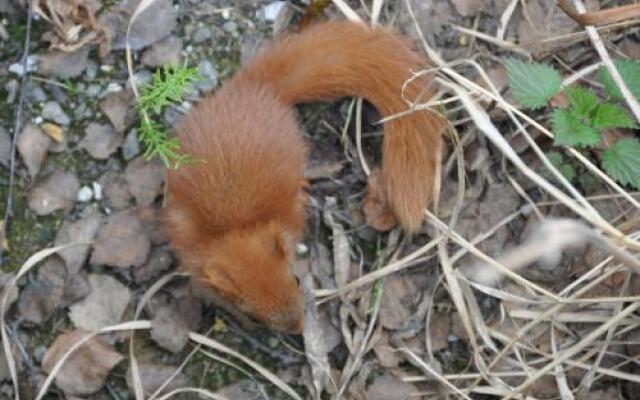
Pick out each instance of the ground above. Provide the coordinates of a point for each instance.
(397, 317)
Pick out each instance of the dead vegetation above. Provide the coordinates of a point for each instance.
(523, 284)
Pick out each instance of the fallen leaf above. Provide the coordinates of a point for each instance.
(116, 191)
(314, 340)
(172, 321)
(159, 261)
(121, 242)
(244, 389)
(57, 191)
(144, 179)
(153, 223)
(86, 370)
(153, 376)
(101, 140)
(388, 387)
(104, 306)
(478, 217)
(53, 131)
(120, 108)
(32, 146)
(395, 308)
(166, 52)
(64, 64)
(83, 230)
(42, 296)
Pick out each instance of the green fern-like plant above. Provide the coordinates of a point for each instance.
(581, 123)
(167, 87)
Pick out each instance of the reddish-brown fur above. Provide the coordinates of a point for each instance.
(234, 218)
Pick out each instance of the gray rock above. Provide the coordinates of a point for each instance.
(202, 34)
(131, 145)
(208, 75)
(154, 23)
(5, 147)
(11, 88)
(52, 111)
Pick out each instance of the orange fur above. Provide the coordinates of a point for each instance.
(235, 218)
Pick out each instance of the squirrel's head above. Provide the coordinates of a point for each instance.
(250, 268)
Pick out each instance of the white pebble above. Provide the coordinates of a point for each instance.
(271, 11)
(114, 87)
(97, 190)
(106, 68)
(84, 194)
(301, 249)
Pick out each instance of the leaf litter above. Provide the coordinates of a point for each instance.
(401, 337)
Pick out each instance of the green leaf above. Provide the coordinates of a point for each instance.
(569, 129)
(622, 162)
(167, 87)
(583, 101)
(565, 169)
(609, 115)
(532, 84)
(630, 72)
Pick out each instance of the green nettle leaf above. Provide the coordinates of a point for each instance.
(569, 129)
(583, 101)
(532, 84)
(609, 115)
(565, 169)
(630, 72)
(622, 162)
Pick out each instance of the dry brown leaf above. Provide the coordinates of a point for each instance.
(32, 146)
(121, 241)
(56, 191)
(86, 370)
(104, 306)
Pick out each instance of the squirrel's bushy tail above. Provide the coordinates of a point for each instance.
(337, 59)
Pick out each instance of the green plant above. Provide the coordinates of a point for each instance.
(587, 115)
(166, 88)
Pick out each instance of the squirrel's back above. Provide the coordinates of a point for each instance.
(235, 214)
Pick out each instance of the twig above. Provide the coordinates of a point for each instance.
(17, 126)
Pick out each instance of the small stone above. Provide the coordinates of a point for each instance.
(11, 88)
(202, 34)
(85, 194)
(52, 111)
(97, 190)
(18, 68)
(301, 249)
(209, 76)
(114, 87)
(35, 93)
(272, 10)
(131, 145)
(140, 78)
(5, 147)
(230, 27)
(93, 90)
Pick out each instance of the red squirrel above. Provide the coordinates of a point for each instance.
(235, 217)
